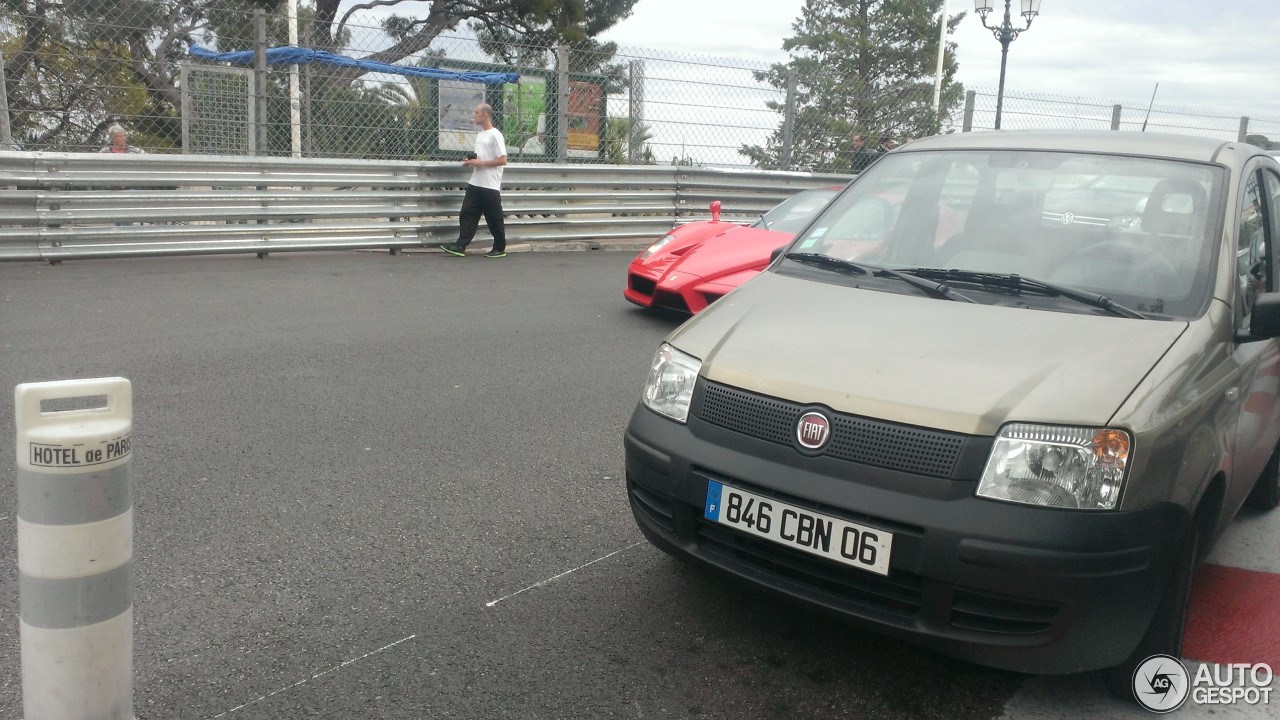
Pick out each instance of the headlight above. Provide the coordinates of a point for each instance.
(1068, 467)
(670, 386)
(657, 246)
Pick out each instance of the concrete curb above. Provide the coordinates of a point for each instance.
(550, 246)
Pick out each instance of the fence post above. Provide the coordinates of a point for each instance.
(1115, 116)
(184, 77)
(1244, 129)
(308, 142)
(260, 146)
(295, 102)
(635, 113)
(260, 80)
(562, 104)
(789, 119)
(967, 125)
(75, 549)
(6, 130)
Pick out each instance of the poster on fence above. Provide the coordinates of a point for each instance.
(584, 119)
(524, 116)
(458, 102)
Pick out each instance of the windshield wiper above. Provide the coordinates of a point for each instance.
(827, 261)
(936, 289)
(1016, 284)
(933, 288)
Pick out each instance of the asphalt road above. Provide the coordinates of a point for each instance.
(369, 486)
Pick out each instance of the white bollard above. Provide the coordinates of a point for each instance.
(75, 551)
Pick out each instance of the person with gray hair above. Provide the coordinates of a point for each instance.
(118, 141)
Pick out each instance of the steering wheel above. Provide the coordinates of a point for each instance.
(1120, 266)
(1125, 221)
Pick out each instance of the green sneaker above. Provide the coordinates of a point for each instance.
(454, 250)
(495, 254)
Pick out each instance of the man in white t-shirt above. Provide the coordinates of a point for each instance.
(484, 191)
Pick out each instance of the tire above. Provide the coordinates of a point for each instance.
(1168, 625)
(1266, 493)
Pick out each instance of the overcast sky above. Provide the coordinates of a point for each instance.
(1217, 56)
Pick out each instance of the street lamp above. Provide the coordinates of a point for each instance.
(1006, 33)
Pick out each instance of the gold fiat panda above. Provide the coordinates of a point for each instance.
(998, 399)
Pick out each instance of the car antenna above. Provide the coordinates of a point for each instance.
(1153, 102)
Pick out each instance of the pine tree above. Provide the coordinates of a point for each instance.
(862, 67)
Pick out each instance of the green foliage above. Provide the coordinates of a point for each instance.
(69, 72)
(528, 22)
(535, 47)
(861, 67)
(618, 133)
(1263, 142)
(231, 23)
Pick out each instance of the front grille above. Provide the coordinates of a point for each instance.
(853, 590)
(643, 285)
(994, 614)
(755, 415)
(858, 439)
(670, 300)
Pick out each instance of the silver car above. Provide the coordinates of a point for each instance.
(1005, 419)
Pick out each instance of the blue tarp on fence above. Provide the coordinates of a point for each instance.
(289, 55)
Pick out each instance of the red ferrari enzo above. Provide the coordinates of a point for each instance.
(698, 263)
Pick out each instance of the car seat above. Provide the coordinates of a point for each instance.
(1173, 207)
(997, 237)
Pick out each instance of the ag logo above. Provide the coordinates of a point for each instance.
(1161, 683)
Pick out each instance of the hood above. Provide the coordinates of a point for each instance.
(732, 251)
(684, 239)
(961, 367)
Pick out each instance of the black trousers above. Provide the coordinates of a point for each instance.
(482, 201)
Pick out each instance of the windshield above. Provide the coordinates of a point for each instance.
(1132, 230)
(795, 212)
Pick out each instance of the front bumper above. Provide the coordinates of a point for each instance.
(653, 288)
(1017, 587)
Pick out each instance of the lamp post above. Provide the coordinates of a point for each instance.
(1006, 33)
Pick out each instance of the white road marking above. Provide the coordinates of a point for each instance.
(491, 603)
(387, 647)
(313, 677)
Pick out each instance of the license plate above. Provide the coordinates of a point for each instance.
(829, 537)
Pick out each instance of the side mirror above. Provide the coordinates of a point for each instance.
(776, 252)
(715, 211)
(1264, 321)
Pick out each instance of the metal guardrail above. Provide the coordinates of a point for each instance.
(61, 206)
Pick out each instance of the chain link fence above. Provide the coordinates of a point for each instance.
(72, 69)
(1037, 111)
